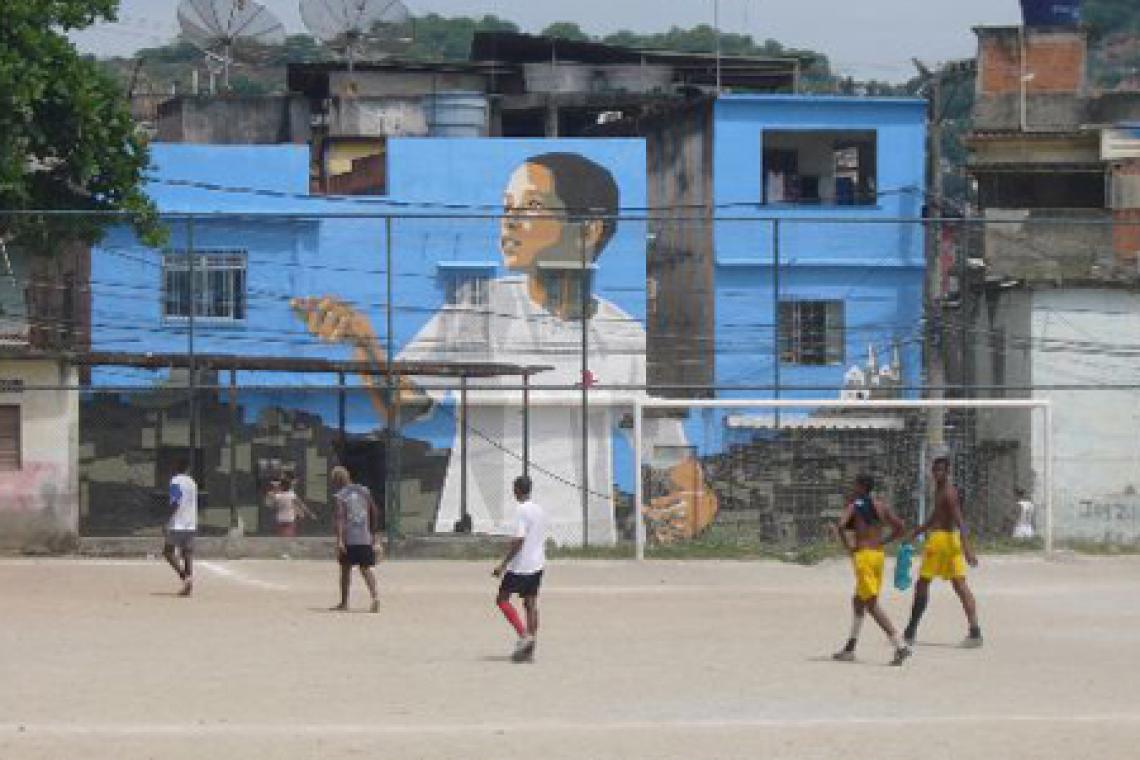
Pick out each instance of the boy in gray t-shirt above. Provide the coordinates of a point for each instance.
(355, 515)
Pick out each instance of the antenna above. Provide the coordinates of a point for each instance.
(218, 27)
(347, 25)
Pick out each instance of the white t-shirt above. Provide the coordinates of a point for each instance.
(530, 526)
(184, 500)
(285, 503)
(511, 328)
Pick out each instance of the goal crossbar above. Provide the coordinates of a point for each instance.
(641, 404)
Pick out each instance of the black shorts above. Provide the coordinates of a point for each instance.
(362, 555)
(523, 585)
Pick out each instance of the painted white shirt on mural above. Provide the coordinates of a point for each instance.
(509, 327)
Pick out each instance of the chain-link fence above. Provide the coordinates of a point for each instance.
(440, 355)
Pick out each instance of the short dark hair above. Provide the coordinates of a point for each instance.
(866, 481)
(523, 485)
(587, 188)
(181, 465)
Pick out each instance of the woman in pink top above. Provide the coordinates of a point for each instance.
(287, 507)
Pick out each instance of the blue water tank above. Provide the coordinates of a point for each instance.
(457, 114)
(1051, 12)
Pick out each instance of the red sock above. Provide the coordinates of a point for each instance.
(513, 618)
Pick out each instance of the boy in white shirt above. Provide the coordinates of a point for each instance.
(182, 525)
(522, 568)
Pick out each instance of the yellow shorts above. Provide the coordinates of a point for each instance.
(868, 573)
(942, 556)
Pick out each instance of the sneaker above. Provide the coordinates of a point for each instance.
(844, 655)
(972, 642)
(901, 654)
(524, 649)
(187, 587)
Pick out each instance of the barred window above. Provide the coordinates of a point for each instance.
(811, 332)
(219, 291)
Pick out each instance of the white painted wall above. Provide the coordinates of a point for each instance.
(38, 504)
(1096, 434)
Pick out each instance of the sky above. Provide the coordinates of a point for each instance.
(868, 39)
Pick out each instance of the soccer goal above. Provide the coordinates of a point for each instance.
(774, 473)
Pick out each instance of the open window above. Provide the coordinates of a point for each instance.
(826, 167)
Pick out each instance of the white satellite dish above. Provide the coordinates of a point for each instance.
(349, 25)
(219, 27)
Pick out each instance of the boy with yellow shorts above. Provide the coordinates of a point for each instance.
(865, 517)
(945, 556)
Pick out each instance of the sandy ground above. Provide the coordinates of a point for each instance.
(98, 660)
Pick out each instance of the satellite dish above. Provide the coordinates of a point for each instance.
(219, 27)
(349, 25)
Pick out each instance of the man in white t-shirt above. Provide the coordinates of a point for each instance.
(182, 526)
(522, 568)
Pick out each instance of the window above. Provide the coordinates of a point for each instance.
(466, 305)
(219, 285)
(811, 332)
(820, 167)
(10, 459)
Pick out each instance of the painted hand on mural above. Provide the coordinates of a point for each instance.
(686, 510)
(334, 321)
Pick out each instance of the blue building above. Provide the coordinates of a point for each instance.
(816, 257)
(828, 258)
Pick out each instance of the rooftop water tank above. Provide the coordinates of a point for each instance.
(1051, 12)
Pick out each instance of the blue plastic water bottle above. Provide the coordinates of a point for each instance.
(902, 566)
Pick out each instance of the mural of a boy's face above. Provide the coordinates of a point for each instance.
(532, 232)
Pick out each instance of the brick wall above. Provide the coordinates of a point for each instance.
(1055, 59)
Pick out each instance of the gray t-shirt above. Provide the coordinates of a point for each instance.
(353, 499)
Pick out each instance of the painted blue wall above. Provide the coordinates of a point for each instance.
(862, 255)
(301, 246)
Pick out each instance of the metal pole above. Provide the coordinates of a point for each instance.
(391, 507)
(638, 485)
(1047, 477)
(526, 424)
(716, 26)
(341, 415)
(585, 304)
(192, 372)
(233, 447)
(776, 312)
(464, 520)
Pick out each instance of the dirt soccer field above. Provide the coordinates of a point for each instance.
(98, 660)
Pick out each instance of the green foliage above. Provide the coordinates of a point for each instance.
(1111, 16)
(566, 30)
(67, 140)
(449, 39)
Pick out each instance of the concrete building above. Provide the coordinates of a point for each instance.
(1054, 303)
(45, 318)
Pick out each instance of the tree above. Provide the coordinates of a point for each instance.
(67, 140)
(566, 30)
